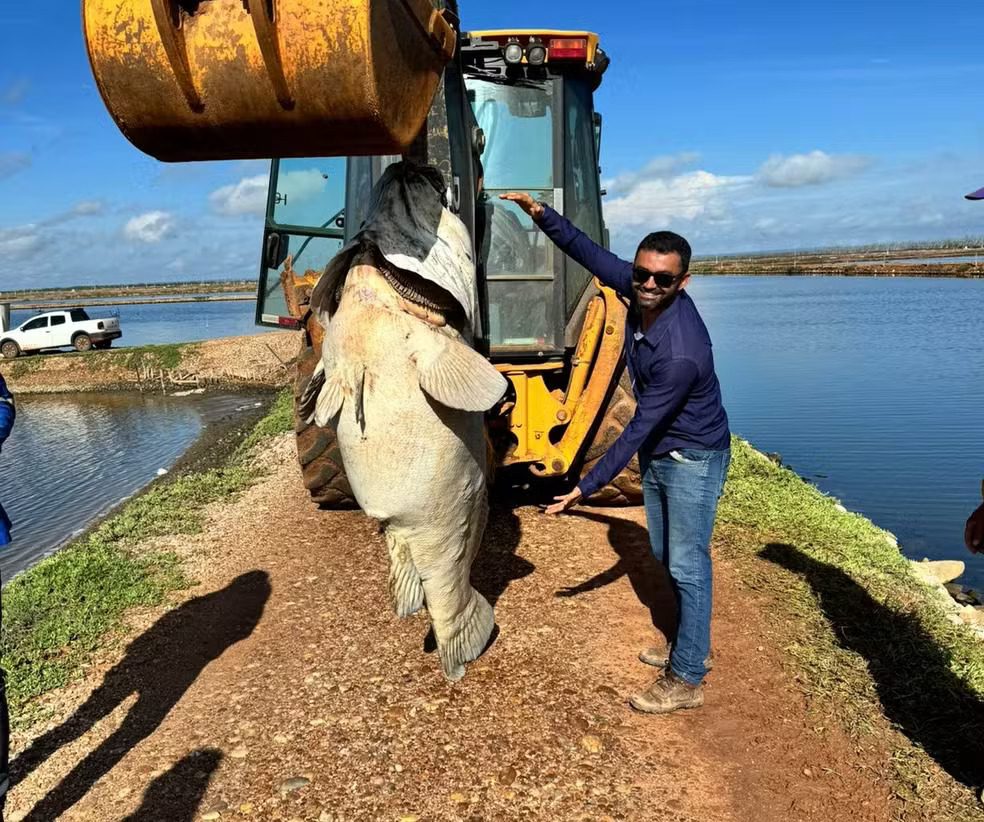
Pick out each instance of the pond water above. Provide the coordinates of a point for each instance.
(70, 459)
(871, 388)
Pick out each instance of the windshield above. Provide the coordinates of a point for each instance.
(518, 260)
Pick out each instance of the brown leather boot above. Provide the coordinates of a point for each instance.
(659, 657)
(667, 694)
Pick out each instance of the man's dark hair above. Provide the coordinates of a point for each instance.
(667, 242)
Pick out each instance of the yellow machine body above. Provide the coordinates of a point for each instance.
(241, 79)
(551, 427)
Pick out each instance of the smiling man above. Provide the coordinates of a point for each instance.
(680, 431)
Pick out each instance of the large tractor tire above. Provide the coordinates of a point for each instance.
(626, 488)
(317, 448)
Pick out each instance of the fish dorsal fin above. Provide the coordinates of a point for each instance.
(455, 375)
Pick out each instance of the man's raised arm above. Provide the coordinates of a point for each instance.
(613, 271)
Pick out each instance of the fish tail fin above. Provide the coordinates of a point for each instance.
(404, 579)
(471, 635)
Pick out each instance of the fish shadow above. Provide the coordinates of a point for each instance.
(649, 580)
(498, 565)
(177, 794)
(159, 666)
(918, 692)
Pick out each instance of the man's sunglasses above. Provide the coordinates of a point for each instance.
(664, 279)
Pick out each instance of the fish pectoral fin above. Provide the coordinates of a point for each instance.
(309, 399)
(457, 376)
(329, 401)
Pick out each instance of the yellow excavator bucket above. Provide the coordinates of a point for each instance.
(244, 79)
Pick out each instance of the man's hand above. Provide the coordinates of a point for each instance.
(527, 203)
(568, 500)
(974, 532)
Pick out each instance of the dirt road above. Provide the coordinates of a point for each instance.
(283, 688)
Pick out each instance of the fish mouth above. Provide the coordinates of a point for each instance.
(420, 297)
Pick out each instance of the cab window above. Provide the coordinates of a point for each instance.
(35, 324)
(582, 196)
(305, 226)
(518, 260)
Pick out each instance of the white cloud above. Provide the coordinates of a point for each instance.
(656, 169)
(684, 198)
(20, 242)
(150, 228)
(12, 162)
(87, 208)
(249, 195)
(811, 169)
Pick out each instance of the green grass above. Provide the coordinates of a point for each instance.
(23, 366)
(58, 613)
(863, 637)
(278, 420)
(166, 357)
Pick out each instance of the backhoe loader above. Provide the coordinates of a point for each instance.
(340, 89)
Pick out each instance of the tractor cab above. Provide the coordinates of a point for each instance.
(519, 117)
(531, 95)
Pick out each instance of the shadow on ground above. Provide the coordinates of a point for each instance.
(497, 565)
(176, 795)
(630, 542)
(159, 666)
(919, 693)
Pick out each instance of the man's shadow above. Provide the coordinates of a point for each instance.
(918, 691)
(648, 578)
(159, 666)
(176, 795)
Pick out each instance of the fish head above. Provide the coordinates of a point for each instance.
(420, 248)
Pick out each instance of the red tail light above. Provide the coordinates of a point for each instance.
(288, 322)
(568, 48)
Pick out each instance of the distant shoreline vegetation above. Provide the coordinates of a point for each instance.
(135, 289)
(884, 260)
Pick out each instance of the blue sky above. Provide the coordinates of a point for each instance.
(743, 125)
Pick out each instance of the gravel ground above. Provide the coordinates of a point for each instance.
(282, 687)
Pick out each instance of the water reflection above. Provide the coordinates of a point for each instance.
(70, 459)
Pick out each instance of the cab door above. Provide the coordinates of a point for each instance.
(35, 334)
(60, 331)
(305, 228)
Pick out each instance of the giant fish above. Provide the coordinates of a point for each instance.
(406, 392)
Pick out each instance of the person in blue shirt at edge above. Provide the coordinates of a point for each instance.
(680, 431)
(974, 530)
(7, 414)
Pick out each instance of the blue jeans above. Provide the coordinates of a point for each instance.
(680, 491)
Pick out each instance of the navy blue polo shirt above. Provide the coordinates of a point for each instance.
(678, 397)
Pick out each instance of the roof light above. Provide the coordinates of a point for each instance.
(568, 48)
(536, 54)
(514, 52)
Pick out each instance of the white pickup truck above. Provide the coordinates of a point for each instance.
(60, 329)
